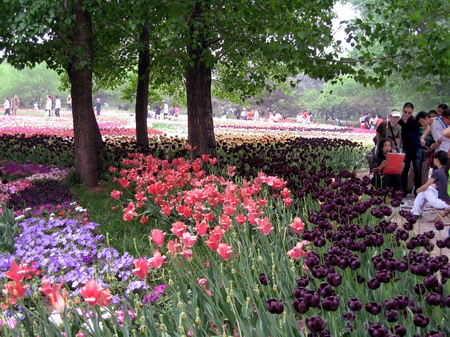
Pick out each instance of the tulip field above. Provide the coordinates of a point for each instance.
(276, 236)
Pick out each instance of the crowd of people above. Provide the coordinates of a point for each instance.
(424, 139)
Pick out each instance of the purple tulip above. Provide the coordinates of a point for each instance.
(303, 281)
(373, 307)
(399, 330)
(312, 298)
(300, 306)
(275, 306)
(373, 284)
(433, 299)
(392, 316)
(354, 304)
(446, 301)
(315, 324)
(421, 320)
(334, 279)
(439, 225)
(263, 279)
(330, 303)
(377, 330)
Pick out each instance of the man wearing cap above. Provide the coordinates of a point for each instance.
(391, 130)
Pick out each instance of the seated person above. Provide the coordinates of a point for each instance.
(435, 189)
(380, 179)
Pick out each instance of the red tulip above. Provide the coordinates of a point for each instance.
(94, 294)
(157, 260)
(141, 269)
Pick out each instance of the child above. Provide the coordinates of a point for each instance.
(380, 179)
(435, 189)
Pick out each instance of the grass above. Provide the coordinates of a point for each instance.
(131, 237)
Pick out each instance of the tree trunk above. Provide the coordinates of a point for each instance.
(88, 141)
(142, 88)
(198, 92)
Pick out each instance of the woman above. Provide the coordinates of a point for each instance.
(380, 179)
(435, 189)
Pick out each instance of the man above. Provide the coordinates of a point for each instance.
(392, 130)
(57, 106)
(411, 148)
(69, 102)
(441, 108)
(426, 140)
(439, 124)
(15, 105)
(98, 106)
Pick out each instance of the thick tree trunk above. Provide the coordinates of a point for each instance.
(142, 88)
(88, 141)
(198, 92)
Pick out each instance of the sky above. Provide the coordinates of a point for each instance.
(344, 11)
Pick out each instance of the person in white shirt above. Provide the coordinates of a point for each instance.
(7, 106)
(48, 106)
(439, 124)
(57, 106)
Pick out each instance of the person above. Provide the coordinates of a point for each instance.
(36, 106)
(432, 114)
(378, 121)
(157, 110)
(7, 106)
(299, 118)
(439, 124)
(48, 105)
(434, 191)
(441, 108)
(177, 111)
(256, 115)
(391, 130)
(372, 122)
(57, 106)
(380, 179)
(411, 147)
(15, 102)
(165, 110)
(426, 140)
(98, 106)
(69, 102)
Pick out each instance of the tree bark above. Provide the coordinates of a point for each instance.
(88, 141)
(142, 88)
(198, 94)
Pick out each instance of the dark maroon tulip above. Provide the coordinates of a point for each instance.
(354, 304)
(330, 303)
(299, 291)
(373, 307)
(402, 301)
(431, 282)
(441, 244)
(392, 316)
(415, 310)
(275, 306)
(377, 330)
(315, 324)
(434, 333)
(303, 281)
(360, 279)
(312, 298)
(445, 271)
(446, 301)
(384, 276)
(263, 279)
(334, 279)
(319, 271)
(439, 225)
(421, 320)
(419, 289)
(402, 266)
(433, 299)
(348, 316)
(388, 254)
(300, 305)
(373, 284)
(399, 330)
(326, 290)
(391, 304)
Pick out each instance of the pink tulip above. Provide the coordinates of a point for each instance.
(157, 260)
(94, 294)
(116, 194)
(178, 228)
(188, 239)
(264, 225)
(297, 225)
(158, 237)
(224, 251)
(201, 227)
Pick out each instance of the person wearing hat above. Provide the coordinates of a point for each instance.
(391, 130)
